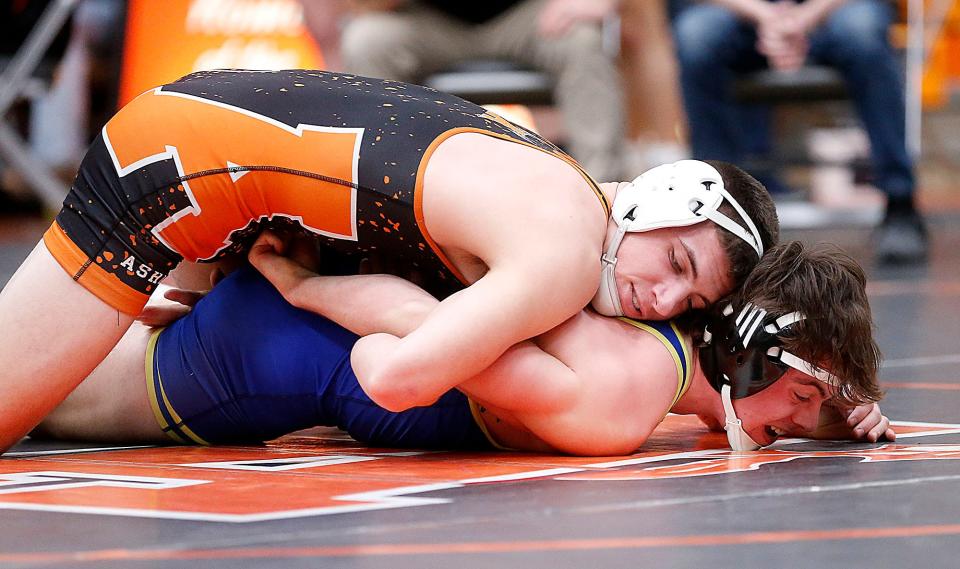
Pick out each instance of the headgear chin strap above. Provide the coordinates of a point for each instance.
(743, 354)
(737, 437)
(671, 195)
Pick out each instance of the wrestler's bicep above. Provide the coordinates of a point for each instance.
(463, 335)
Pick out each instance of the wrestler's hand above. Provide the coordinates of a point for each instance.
(867, 422)
(156, 315)
(864, 422)
(286, 274)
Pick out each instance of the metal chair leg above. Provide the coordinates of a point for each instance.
(16, 153)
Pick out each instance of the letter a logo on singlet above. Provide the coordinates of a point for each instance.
(291, 169)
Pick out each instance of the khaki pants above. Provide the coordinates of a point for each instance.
(415, 41)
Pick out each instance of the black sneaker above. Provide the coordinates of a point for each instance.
(901, 238)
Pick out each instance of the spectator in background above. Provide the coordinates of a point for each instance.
(410, 39)
(656, 124)
(719, 38)
(323, 19)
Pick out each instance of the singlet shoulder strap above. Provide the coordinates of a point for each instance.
(673, 341)
(478, 418)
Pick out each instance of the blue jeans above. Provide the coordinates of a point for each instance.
(713, 45)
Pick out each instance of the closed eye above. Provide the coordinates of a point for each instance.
(673, 261)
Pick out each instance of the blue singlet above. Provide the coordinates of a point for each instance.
(245, 366)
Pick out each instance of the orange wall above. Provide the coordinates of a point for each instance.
(170, 38)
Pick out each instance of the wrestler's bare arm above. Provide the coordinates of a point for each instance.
(572, 398)
(367, 304)
(363, 304)
(474, 326)
(537, 275)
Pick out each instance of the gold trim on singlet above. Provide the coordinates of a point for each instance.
(425, 159)
(478, 418)
(160, 398)
(681, 360)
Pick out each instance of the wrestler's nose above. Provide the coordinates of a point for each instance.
(667, 300)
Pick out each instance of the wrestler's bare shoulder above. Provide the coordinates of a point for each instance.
(587, 334)
(630, 379)
(486, 200)
(473, 159)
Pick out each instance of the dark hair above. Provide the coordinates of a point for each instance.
(829, 287)
(759, 206)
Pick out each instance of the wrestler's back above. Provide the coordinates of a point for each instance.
(349, 159)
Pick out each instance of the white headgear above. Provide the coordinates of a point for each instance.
(671, 195)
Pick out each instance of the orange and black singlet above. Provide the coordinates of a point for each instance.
(193, 169)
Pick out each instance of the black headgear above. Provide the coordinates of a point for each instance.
(743, 349)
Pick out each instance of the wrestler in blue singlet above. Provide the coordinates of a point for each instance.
(246, 366)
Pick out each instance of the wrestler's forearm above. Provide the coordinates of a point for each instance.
(462, 336)
(365, 304)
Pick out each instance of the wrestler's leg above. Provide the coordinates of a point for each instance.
(53, 333)
(111, 404)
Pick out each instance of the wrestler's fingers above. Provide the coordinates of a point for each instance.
(267, 252)
(156, 316)
(868, 424)
(184, 297)
(882, 426)
(268, 242)
(859, 413)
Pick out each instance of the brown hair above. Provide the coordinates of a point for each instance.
(759, 206)
(829, 288)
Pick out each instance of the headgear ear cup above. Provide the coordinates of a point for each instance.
(671, 195)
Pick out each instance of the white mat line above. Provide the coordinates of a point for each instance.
(27, 453)
(770, 493)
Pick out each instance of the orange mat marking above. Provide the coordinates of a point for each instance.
(326, 474)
